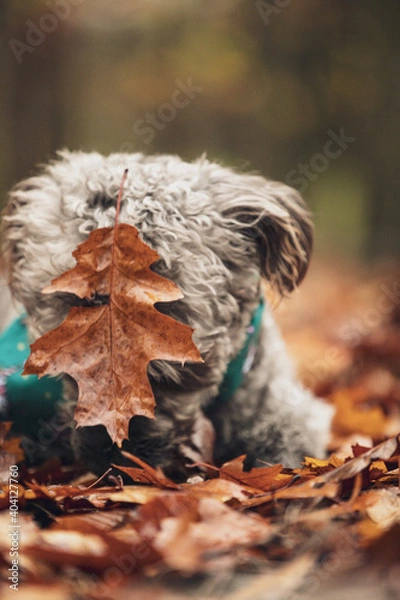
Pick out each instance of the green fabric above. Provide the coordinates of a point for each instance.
(239, 366)
(29, 398)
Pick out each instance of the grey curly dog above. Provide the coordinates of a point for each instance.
(219, 233)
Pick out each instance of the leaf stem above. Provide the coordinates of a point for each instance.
(111, 280)
(124, 176)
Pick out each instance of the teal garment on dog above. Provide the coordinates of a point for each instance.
(242, 363)
(27, 399)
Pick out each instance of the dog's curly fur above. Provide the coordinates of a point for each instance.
(217, 233)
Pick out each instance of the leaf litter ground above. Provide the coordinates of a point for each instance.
(328, 529)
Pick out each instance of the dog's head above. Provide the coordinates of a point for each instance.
(218, 232)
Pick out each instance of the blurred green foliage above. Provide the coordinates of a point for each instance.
(276, 77)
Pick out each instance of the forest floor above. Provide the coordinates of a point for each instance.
(330, 529)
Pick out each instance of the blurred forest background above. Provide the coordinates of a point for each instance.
(303, 91)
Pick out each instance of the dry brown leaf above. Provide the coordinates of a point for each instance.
(146, 474)
(90, 523)
(382, 511)
(60, 492)
(107, 348)
(88, 550)
(316, 463)
(185, 529)
(135, 494)
(382, 506)
(220, 489)
(350, 418)
(328, 485)
(71, 497)
(346, 471)
(261, 479)
(383, 451)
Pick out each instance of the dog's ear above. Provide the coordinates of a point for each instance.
(276, 217)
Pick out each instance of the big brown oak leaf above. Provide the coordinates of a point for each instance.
(107, 348)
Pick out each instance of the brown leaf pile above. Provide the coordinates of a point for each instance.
(298, 527)
(236, 518)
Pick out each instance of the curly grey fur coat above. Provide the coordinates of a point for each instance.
(218, 232)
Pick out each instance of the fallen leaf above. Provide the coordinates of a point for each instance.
(220, 489)
(95, 551)
(90, 523)
(185, 530)
(327, 485)
(107, 348)
(146, 474)
(134, 494)
(315, 463)
(382, 451)
(383, 507)
(350, 417)
(261, 479)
